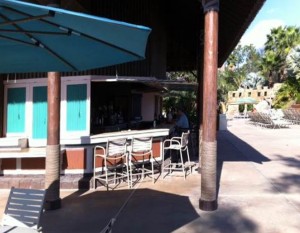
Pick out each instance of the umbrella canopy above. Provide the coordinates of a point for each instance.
(36, 38)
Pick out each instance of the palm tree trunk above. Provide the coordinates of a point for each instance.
(52, 178)
(208, 199)
(1, 104)
(200, 108)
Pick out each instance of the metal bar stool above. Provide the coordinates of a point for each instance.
(177, 144)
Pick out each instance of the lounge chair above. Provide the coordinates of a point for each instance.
(23, 211)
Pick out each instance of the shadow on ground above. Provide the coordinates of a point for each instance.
(233, 149)
(293, 162)
(146, 211)
(227, 219)
(149, 211)
(288, 181)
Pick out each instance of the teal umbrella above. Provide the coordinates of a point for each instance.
(35, 38)
(246, 100)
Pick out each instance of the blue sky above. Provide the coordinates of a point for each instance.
(274, 13)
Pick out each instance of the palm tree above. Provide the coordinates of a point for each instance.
(290, 90)
(253, 80)
(279, 43)
(293, 63)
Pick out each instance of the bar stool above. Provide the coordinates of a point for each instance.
(177, 144)
(114, 159)
(141, 156)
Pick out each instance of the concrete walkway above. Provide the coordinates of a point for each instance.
(259, 192)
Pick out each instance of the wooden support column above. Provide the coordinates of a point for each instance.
(1, 105)
(200, 102)
(52, 177)
(208, 199)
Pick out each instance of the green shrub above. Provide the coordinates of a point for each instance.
(297, 100)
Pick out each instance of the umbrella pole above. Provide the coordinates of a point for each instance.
(52, 178)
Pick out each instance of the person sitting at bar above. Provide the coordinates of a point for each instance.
(182, 122)
(169, 117)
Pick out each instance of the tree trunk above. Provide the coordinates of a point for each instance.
(52, 178)
(200, 111)
(1, 104)
(208, 200)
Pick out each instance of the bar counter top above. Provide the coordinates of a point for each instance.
(162, 130)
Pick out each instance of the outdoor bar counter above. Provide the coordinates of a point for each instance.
(102, 137)
(77, 156)
(79, 151)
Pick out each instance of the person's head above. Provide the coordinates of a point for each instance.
(179, 111)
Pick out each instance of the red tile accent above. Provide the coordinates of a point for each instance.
(33, 163)
(74, 158)
(8, 164)
(156, 148)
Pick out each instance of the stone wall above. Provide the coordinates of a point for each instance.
(258, 94)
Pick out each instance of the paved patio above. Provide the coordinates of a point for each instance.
(259, 192)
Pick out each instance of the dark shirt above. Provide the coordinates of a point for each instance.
(182, 121)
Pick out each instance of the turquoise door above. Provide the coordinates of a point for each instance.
(39, 112)
(16, 99)
(76, 107)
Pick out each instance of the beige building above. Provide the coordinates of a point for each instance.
(235, 97)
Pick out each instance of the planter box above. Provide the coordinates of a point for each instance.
(222, 122)
(295, 106)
